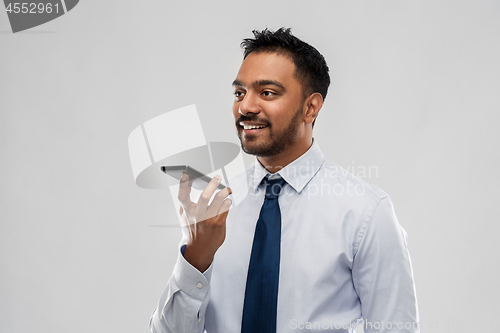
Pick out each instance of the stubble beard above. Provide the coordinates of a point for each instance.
(278, 142)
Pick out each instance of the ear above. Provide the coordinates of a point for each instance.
(313, 104)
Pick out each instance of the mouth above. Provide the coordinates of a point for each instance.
(252, 128)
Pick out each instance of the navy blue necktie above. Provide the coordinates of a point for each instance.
(261, 293)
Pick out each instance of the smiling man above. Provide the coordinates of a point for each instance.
(311, 247)
(270, 112)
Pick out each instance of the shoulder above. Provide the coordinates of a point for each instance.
(349, 184)
(357, 199)
(368, 206)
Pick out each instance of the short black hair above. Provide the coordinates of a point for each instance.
(311, 67)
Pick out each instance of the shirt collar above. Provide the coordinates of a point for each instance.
(298, 173)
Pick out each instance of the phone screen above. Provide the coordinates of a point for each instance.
(198, 179)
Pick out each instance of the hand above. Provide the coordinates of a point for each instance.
(206, 223)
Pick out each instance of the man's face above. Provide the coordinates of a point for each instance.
(268, 106)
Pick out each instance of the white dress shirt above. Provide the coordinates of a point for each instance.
(344, 259)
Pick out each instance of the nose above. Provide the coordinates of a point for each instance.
(249, 104)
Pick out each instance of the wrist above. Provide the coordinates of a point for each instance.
(200, 260)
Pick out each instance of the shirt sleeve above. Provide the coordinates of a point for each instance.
(382, 274)
(184, 301)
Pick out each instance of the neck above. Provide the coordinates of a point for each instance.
(277, 162)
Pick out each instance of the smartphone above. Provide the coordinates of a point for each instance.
(198, 179)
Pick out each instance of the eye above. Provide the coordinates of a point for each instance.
(239, 94)
(268, 93)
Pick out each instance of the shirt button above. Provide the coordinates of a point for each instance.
(199, 285)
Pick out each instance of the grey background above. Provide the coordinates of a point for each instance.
(414, 93)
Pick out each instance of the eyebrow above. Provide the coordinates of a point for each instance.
(260, 83)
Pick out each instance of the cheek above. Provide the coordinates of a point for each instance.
(280, 113)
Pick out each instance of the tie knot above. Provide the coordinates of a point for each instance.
(273, 187)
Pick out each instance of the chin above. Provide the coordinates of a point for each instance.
(258, 150)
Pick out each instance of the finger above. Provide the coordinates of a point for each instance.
(224, 210)
(184, 191)
(207, 194)
(216, 203)
(184, 219)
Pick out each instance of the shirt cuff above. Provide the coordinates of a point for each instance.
(189, 279)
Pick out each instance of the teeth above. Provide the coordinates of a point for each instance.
(248, 127)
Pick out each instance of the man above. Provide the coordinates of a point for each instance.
(322, 251)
